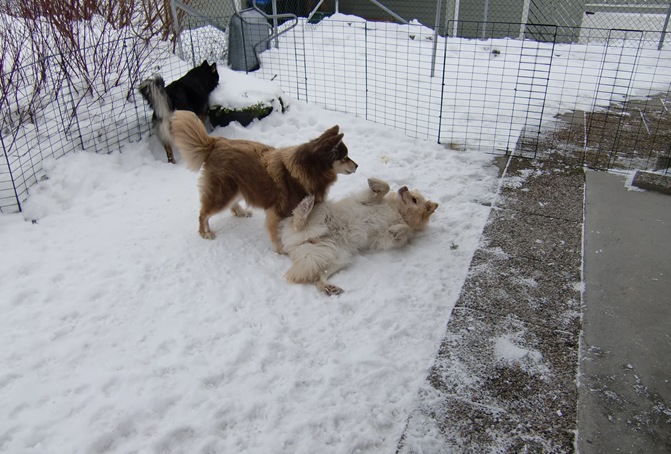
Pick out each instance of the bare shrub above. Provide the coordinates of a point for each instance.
(90, 46)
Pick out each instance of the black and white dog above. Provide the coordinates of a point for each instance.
(190, 92)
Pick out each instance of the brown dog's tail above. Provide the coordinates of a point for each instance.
(191, 138)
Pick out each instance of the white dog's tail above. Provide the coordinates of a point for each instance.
(191, 138)
(316, 260)
(310, 261)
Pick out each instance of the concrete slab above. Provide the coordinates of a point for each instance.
(625, 392)
(652, 182)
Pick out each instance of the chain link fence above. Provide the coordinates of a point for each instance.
(565, 21)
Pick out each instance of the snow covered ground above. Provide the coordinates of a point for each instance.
(124, 331)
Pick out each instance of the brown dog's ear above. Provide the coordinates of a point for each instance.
(431, 207)
(329, 145)
(330, 132)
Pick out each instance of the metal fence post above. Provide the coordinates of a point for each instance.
(74, 117)
(365, 28)
(439, 5)
(176, 27)
(666, 24)
(274, 6)
(485, 20)
(442, 84)
(11, 174)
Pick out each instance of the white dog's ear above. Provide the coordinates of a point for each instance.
(431, 207)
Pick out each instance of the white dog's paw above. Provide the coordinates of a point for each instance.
(240, 212)
(399, 232)
(378, 186)
(332, 290)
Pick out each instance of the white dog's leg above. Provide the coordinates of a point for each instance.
(400, 234)
(323, 283)
(378, 186)
(396, 236)
(314, 262)
(302, 211)
(238, 210)
(340, 261)
(375, 194)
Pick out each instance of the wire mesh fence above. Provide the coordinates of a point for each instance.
(497, 95)
(592, 96)
(52, 108)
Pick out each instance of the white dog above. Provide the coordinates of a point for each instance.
(322, 239)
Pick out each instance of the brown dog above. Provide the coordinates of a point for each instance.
(265, 177)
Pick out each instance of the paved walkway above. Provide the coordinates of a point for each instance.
(625, 393)
(506, 376)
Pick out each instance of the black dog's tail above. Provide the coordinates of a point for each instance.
(153, 91)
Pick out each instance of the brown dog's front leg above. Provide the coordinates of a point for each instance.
(273, 227)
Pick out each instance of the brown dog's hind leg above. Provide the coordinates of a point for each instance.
(215, 195)
(169, 153)
(208, 208)
(273, 227)
(204, 223)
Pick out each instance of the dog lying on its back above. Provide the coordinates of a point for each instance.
(275, 179)
(322, 239)
(191, 92)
